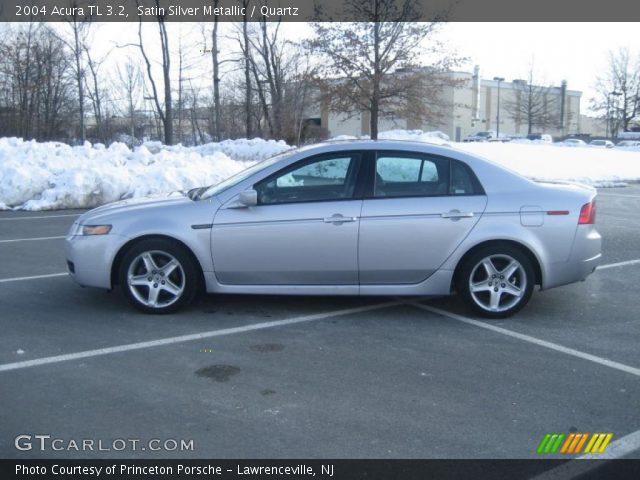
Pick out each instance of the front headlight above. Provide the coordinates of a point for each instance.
(96, 229)
(76, 229)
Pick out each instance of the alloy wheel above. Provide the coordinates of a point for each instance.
(497, 283)
(156, 279)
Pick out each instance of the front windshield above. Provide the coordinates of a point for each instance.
(244, 174)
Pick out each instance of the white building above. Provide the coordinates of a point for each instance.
(471, 106)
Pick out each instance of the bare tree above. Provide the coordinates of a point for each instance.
(618, 90)
(282, 75)
(246, 52)
(185, 85)
(533, 105)
(19, 82)
(95, 92)
(363, 57)
(215, 61)
(165, 113)
(193, 99)
(131, 79)
(79, 30)
(35, 91)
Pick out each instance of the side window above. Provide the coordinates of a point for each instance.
(330, 178)
(410, 176)
(398, 169)
(462, 180)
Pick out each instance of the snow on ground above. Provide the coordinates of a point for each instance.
(599, 167)
(43, 176)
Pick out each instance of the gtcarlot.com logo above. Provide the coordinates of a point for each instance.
(50, 443)
(573, 443)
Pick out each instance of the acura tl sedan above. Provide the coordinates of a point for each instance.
(346, 218)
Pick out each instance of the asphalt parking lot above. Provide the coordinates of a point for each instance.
(313, 377)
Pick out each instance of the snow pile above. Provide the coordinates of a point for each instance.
(436, 137)
(415, 136)
(599, 167)
(45, 176)
(254, 150)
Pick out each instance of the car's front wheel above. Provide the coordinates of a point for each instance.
(158, 276)
(496, 281)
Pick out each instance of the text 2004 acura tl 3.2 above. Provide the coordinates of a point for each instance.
(348, 218)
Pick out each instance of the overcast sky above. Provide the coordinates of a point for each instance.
(575, 52)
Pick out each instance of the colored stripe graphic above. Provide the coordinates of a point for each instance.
(574, 442)
(544, 441)
(550, 443)
(581, 443)
(598, 443)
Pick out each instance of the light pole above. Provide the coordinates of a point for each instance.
(499, 80)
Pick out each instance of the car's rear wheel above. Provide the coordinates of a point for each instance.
(158, 276)
(496, 281)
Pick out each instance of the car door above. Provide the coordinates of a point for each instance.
(419, 209)
(303, 231)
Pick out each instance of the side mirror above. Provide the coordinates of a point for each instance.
(247, 198)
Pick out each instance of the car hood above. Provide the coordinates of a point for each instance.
(133, 204)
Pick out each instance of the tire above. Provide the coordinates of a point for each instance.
(159, 276)
(496, 281)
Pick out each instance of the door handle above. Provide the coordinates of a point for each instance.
(456, 214)
(337, 219)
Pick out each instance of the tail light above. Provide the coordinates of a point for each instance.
(588, 213)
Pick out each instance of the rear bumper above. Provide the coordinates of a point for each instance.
(584, 259)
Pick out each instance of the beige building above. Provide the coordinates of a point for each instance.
(593, 126)
(472, 106)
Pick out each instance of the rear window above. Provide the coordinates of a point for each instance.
(408, 175)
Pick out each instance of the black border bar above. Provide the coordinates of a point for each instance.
(317, 10)
(333, 469)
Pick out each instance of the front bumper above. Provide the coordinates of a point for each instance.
(89, 258)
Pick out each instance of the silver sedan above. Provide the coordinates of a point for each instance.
(347, 218)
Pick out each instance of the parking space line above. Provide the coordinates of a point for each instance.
(617, 449)
(30, 239)
(188, 338)
(33, 277)
(40, 217)
(618, 264)
(527, 338)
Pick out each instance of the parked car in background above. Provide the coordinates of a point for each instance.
(629, 136)
(602, 143)
(541, 137)
(516, 137)
(481, 136)
(348, 218)
(574, 142)
(628, 143)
